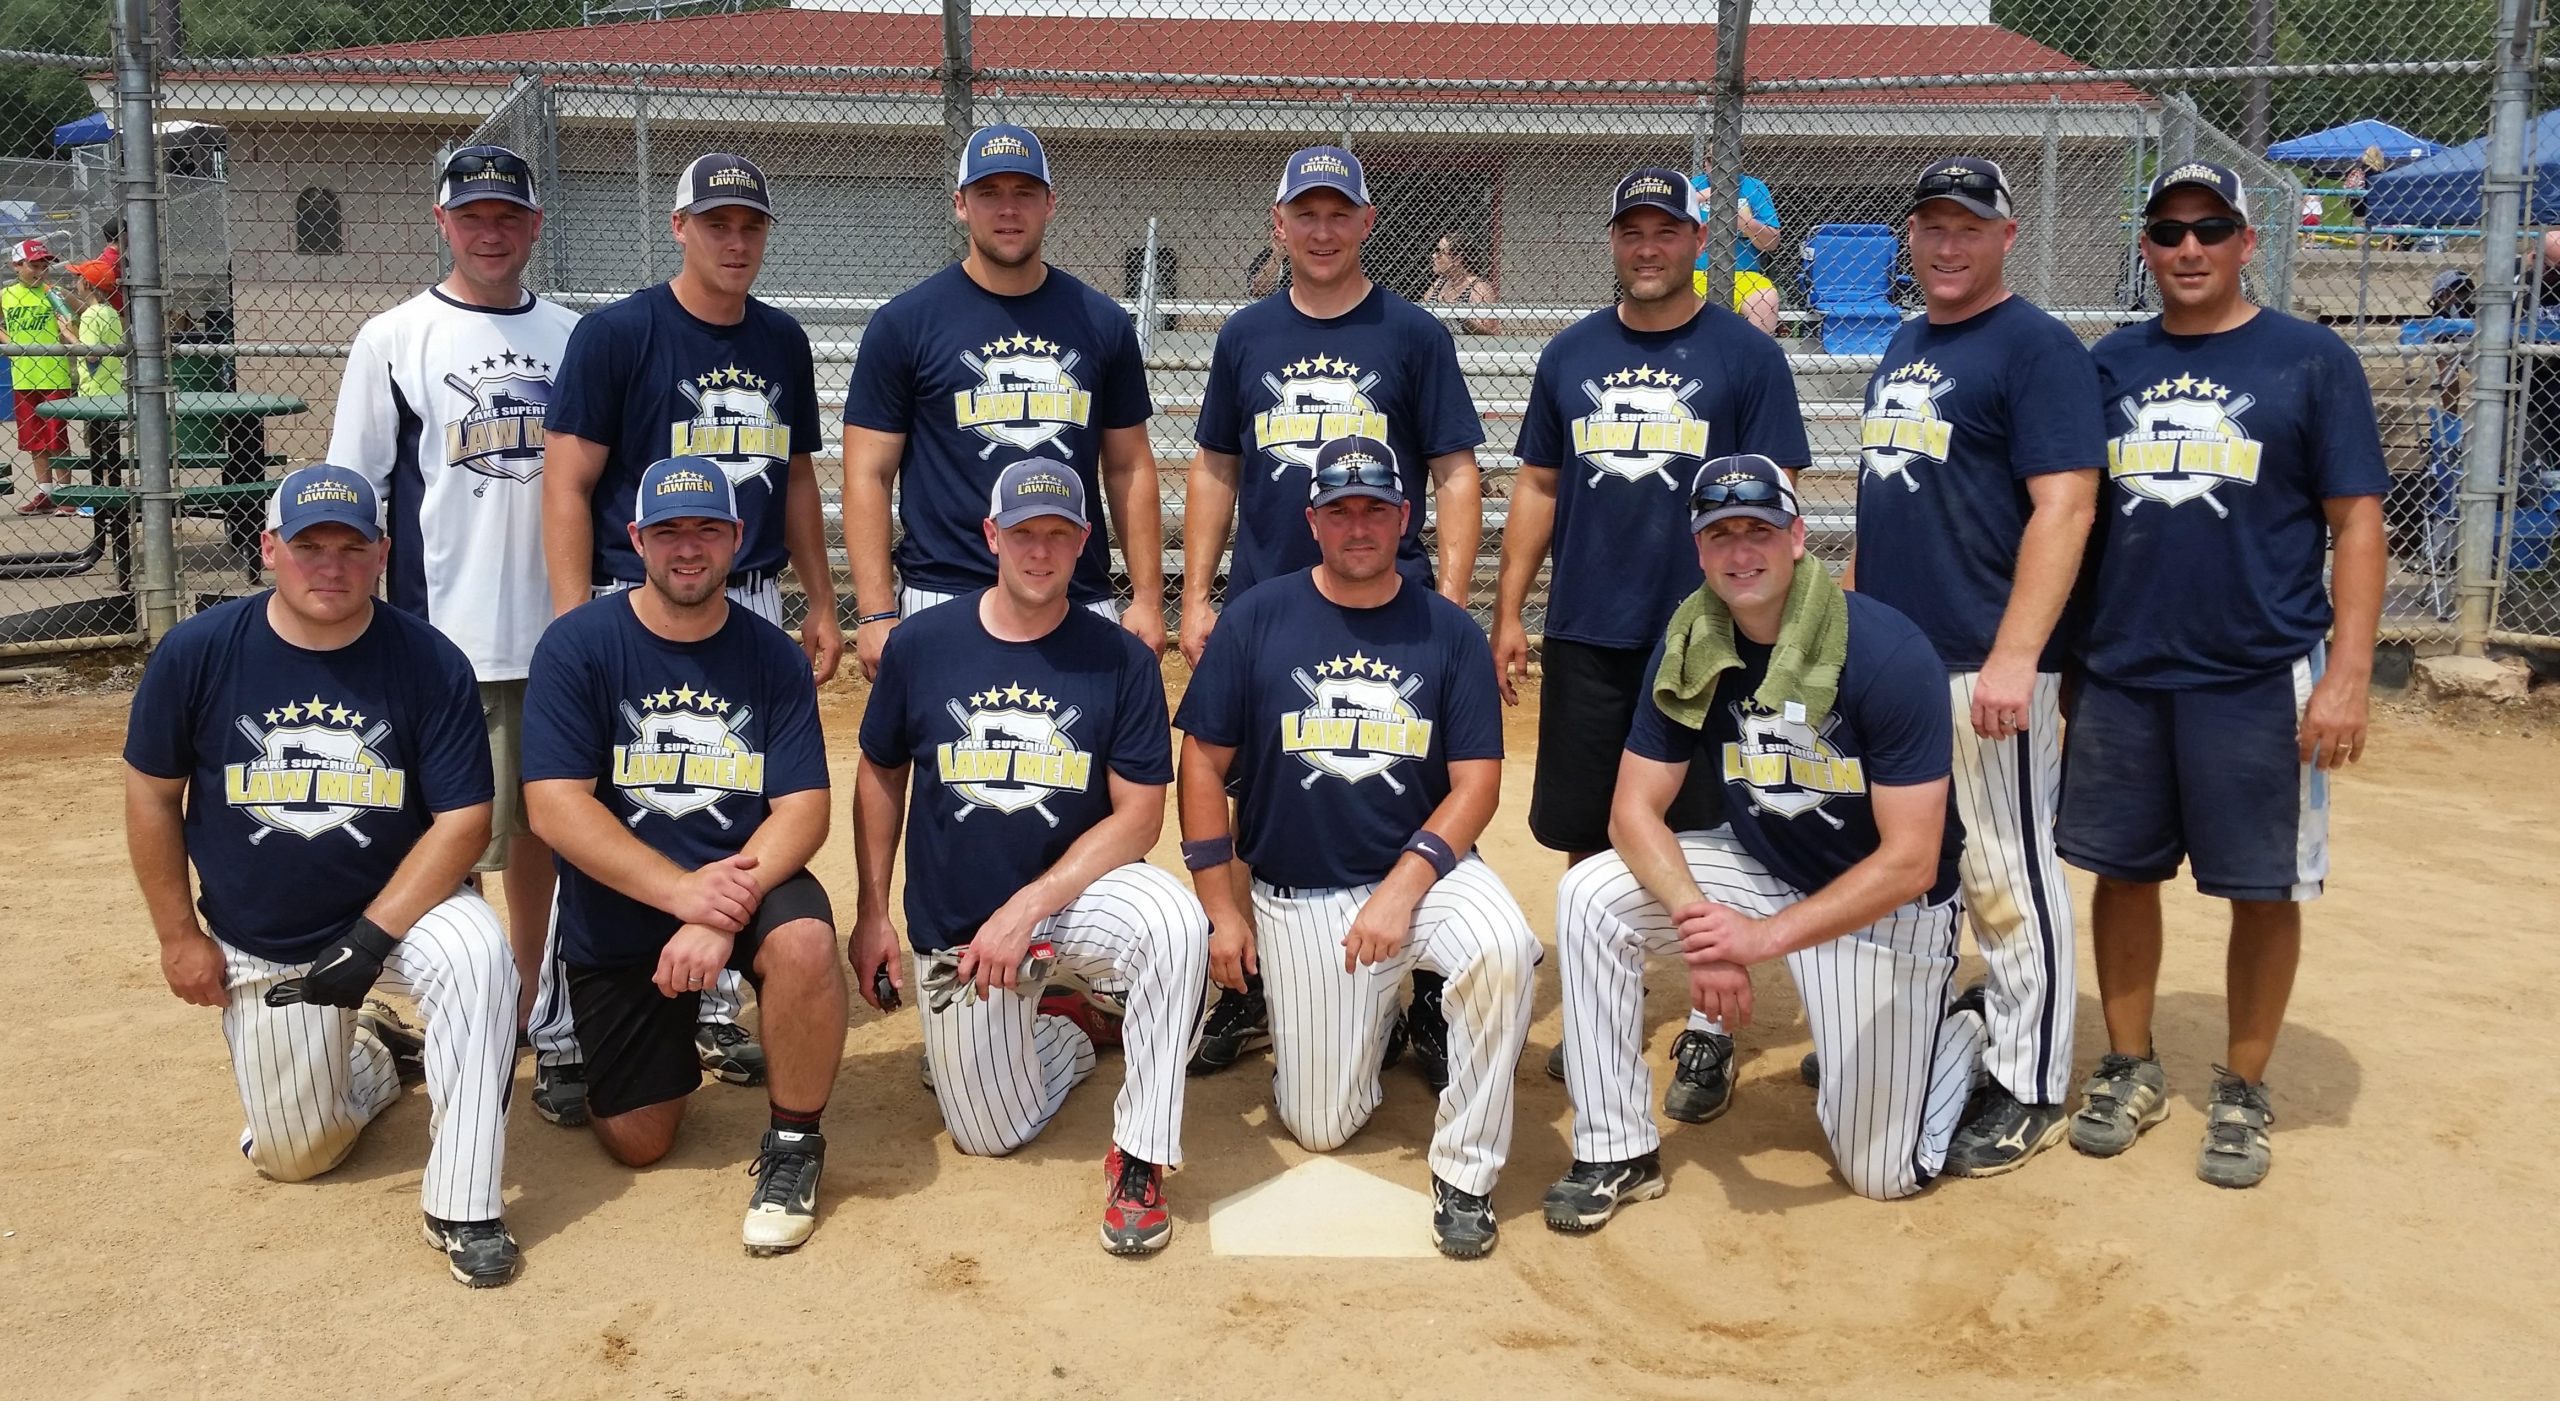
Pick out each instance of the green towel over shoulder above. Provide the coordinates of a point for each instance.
(1813, 641)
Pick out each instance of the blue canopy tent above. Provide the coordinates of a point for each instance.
(2345, 145)
(91, 130)
(2444, 189)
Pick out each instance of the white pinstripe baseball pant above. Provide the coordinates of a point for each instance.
(1896, 1067)
(1001, 1071)
(1329, 1027)
(912, 601)
(2008, 793)
(552, 1027)
(311, 1079)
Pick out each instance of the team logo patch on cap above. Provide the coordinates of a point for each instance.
(1003, 145)
(683, 479)
(1651, 186)
(2193, 170)
(1323, 164)
(327, 490)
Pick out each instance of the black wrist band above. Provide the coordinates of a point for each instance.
(1208, 853)
(867, 619)
(1431, 847)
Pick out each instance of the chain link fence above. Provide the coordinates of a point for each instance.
(297, 149)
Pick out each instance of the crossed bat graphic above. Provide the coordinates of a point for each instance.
(1066, 718)
(1597, 399)
(258, 737)
(2237, 407)
(1306, 683)
(978, 367)
(1280, 399)
(631, 717)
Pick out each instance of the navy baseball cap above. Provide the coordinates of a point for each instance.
(1745, 484)
(1355, 466)
(321, 493)
(720, 179)
(1980, 186)
(2205, 175)
(1322, 168)
(486, 172)
(1002, 150)
(684, 488)
(1036, 487)
(1655, 187)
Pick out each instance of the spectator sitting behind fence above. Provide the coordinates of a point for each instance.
(1755, 215)
(1454, 280)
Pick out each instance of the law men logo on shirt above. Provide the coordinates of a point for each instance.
(2185, 441)
(734, 424)
(1013, 753)
(319, 767)
(500, 435)
(685, 755)
(1313, 402)
(1026, 396)
(1789, 767)
(1358, 722)
(1901, 423)
(1640, 423)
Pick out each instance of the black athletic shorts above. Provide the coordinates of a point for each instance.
(1586, 703)
(639, 1041)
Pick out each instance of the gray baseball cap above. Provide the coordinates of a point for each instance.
(1036, 487)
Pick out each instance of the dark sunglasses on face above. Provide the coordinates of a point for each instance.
(2169, 233)
(1750, 491)
(1366, 472)
(1972, 182)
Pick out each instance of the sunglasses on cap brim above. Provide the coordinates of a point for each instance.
(2169, 233)
(470, 163)
(1750, 491)
(1369, 472)
(1938, 183)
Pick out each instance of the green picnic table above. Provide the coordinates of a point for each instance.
(238, 496)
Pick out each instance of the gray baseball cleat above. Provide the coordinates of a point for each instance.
(729, 1051)
(2126, 1095)
(2235, 1151)
(1701, 1077)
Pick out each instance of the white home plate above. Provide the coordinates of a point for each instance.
(1323, 1207)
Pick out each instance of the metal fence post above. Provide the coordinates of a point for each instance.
(1733, 34)
(2493, 382)
(959, 75)
(2049, 202)
(146, 290)
(649, 234)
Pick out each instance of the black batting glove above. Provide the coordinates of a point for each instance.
(343, 973)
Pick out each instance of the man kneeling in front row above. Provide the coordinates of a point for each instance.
(1826, 713)
(1045, 724)
(672, 759)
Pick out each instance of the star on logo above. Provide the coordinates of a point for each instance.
(1013, 693)
(2185, 383)
(509, 359)
(315, 707)
(271, 717)
(1359, 662)
(721, 706)
(685, 695)
(337, 715)
(355, 717)
(1036, 700)
(1377, 667)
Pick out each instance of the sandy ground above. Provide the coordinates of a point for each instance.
(2404, 1245)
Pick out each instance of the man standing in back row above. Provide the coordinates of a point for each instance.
(2213, 711)
(997, 357)
(691, 367)
(1626, 404)
(1331, 355)
(1979, 450)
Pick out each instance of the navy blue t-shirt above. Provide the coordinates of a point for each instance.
(1626, 417)
(648, 379)
(978, 381)
(1798, 797)
(1283, 384)
(1013, 745)
(310, 774)
(1958, 417)
(686, 743)
(1318, 700)
(2211, 529)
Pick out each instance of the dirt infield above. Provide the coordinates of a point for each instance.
(2403, 1246)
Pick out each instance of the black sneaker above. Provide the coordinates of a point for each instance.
(1240, 1022)
(1426, 1030)
(1809, 1070)
(1701, 1077)
(408, 1049)
(480, 1253)
(784, 1209)
(1586, 1197)
(1461, 1222)
(729, 1051)
(1999, 1134)
(560, 1093)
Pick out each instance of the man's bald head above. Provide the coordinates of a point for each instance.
(2551, 248)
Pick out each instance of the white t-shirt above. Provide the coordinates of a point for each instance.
(442, 409)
